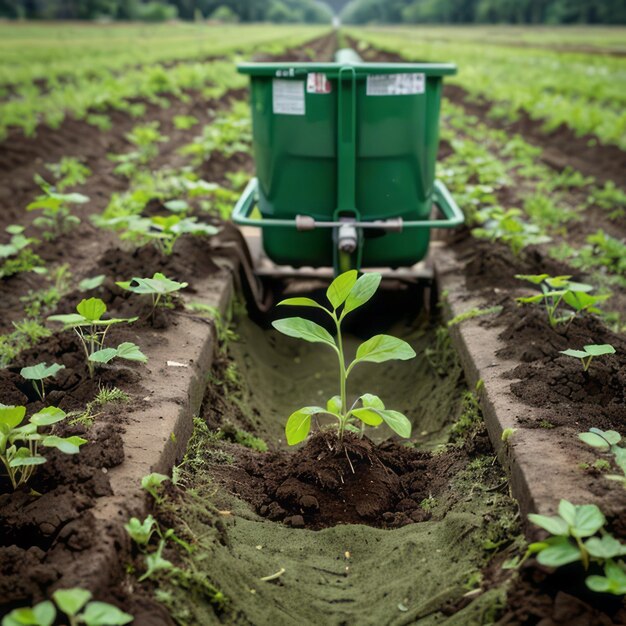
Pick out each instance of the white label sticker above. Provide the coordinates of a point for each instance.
(395, 84)
(288, 97)
(318, 83)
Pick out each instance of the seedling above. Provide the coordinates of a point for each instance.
(152, 482)
(18, 241)
(141, 533)
(159, 286)
(88, 284)
(607, 441)
(75, 605)
(507, 226)
(19, 445)
(145, 137)
(38, 373)
(56, 218)
(163, 231)
(69, 172)
(556, 290)
(345, 293)
(587, 354)
(91, 329)
(574, 538)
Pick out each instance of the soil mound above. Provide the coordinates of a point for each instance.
(327, 482)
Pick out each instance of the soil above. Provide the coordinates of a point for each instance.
(325, 483)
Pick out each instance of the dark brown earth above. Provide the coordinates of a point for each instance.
(325, 482)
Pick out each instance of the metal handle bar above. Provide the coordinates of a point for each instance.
(453, 216)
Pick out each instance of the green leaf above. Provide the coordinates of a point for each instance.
(42, 614)
(304, 329)
(398, 422)
(559, 554)
(103, 356)
(364, 288)
(554, 525)
(69, 320)
(530, 299)
(600, 349)
(150, 481)
(381, 348)
(131, 352)
(533, 278)
(606, 547)
(370, 401)
(300, 302)
(41, 371)
(611, 436)
(613, 582)
(368, 416)
(567, 511)
(158, 284)
(47, 416)
(594, 440)
(340, 288)
(70, 601)
(334, 405)
(12, 416)
(87, 284)
(68, 445)
(91, 309)
(588, 520)
(103, 614)
(579, 354)
(22, 461)
(299, 424)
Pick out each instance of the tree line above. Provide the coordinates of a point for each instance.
(485, 11)
(281, 11)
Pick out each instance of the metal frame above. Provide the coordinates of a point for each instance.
(453, 216)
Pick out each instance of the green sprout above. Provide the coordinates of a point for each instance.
(38, 373)
(607, 441)
(348, 293)
(159, 286)
(587, 354)
(91, 329)
(56, 218)
(152, 482)
(557, 290)
(75, 604)
(19, 445)
(574, 537)
(69, 172)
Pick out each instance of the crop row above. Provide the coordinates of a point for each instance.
(74, 53)
(538, 81)
(100, 87)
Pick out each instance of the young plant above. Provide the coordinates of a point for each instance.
(145, 138)
(587, 354)
(556, 290)
(347, 293)
(17, 255)
(19, 445)
(91, 329)
(607, 441)
(56, 218)
(574, 538)
(159, 286)
(38, 373)
(152, 482)
(75, 605)
(164, 231)
(69, 172)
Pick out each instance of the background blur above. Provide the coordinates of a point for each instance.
(317, 11)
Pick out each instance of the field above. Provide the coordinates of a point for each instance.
(144, 389)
